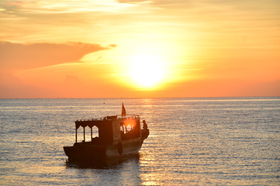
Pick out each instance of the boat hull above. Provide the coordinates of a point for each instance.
(89, 152)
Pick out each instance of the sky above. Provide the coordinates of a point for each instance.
(138, 48)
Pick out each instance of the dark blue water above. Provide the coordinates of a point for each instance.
(193, 141)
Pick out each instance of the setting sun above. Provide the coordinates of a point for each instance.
(147, 71)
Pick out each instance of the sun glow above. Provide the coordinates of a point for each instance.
(130, 122)
(147, 71)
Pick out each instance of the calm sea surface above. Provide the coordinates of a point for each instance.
(193, 141)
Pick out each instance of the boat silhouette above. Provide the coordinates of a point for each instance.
(119, 136)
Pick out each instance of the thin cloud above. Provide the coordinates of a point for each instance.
(62, 6)
(159, 3)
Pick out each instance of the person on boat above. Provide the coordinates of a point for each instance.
(145, 126)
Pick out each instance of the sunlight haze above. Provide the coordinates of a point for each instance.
(134, 48)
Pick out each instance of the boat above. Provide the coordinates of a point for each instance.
(119, 136)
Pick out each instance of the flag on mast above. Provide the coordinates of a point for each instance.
(123, 111)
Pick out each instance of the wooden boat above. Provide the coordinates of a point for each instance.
(118, 136)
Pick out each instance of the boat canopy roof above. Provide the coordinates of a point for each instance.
(102, 121)
(92, 123)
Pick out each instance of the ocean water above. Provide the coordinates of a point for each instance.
(193, 141)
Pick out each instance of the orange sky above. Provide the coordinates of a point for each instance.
(134, 48)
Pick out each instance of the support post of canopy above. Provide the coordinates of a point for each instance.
(84, 134)
(76, 137)
(91, 134)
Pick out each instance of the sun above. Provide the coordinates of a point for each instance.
(147, 71)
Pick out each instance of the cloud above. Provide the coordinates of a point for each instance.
(17, 56)
(134, 1)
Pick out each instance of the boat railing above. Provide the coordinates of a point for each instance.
(128, 116)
